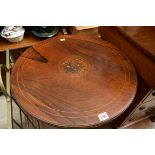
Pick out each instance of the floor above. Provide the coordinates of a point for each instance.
(3, 113)
(145, 124)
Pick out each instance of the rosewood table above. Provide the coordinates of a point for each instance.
(73, 81)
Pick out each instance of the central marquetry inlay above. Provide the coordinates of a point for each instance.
(74, 66)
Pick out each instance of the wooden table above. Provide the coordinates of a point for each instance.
(73, 81)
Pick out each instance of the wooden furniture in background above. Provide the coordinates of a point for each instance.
(73, 81)
(141, 54)
(138, 43)
(28, 40)
(18, 47)
(85, 30)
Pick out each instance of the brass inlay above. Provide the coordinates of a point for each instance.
(62, 39)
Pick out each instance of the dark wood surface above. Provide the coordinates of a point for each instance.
(69, 83)
(138, 44)
(144, 36)
(142, 90)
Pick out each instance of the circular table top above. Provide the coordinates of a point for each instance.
(73, 81)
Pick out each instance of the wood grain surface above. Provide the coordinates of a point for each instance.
(143, 36)
(138, 44)
(69, 81)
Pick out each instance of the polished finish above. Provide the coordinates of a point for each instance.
(142, 90)
(143, 36)
(139, 45)
(73, 81)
